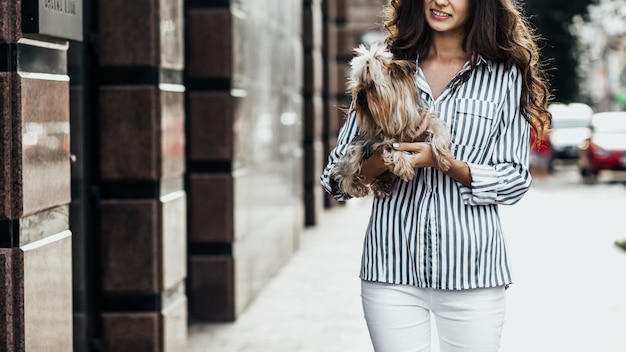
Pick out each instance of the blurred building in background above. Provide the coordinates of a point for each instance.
(602, 66)
(366, 21)
(160, 160)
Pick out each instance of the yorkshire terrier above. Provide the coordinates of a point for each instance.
(386, 102)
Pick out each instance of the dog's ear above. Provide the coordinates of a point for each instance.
(361, 97)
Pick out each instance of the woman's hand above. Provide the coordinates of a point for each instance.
(421, 153)
(423, 157)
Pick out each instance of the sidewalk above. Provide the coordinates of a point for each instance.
(568, 292)
(312, 304)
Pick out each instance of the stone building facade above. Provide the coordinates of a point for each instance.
(160, 161)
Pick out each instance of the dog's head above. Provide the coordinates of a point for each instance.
(382, 90)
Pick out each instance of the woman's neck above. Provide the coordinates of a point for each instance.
(447, 47)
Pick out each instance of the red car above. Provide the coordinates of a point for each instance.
(605, 149)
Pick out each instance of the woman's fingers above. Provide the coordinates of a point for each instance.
(409, 147)
(422, 153)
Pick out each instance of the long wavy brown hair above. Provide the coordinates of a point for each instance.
(496, 29)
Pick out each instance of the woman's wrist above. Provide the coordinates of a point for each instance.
(373, 167)
(460, 171)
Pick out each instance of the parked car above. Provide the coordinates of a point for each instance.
(570, 128)
(605, 149)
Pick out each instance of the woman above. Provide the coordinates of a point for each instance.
(436, 246)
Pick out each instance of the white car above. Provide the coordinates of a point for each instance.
(571, 127)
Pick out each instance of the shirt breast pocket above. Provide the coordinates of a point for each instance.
(473, 122)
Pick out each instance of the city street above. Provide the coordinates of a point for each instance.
(570, 288)
(569, 292)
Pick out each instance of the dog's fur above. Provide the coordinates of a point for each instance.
(386, 102)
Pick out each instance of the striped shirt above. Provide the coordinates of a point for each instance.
(433, 231)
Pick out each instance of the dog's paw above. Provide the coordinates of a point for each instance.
(442, 156)
(403, 167)
(382, 192)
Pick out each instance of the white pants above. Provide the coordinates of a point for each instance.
(398, 317)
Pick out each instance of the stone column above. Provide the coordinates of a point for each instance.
(35, 240)
(244, 155)
(141, 171)
(366, 16)
(314, 159)
(337, 47)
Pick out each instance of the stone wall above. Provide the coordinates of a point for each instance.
(140, 167)
(244, 154)
(35, 240)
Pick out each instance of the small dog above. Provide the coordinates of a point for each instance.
(387, 107)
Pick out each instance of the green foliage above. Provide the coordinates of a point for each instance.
(559, 53)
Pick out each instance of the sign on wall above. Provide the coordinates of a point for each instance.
(55, 18)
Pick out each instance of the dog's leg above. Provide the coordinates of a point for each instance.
(347, 172)
(440, 143)
(383, 185)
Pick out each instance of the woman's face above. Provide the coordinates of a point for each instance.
(447, 16)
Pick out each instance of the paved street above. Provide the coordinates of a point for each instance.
(569, 292)
(570, 289)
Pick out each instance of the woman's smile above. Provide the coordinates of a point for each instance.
(439, 14)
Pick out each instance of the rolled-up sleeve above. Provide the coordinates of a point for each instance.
(346, 134)
(506, 177)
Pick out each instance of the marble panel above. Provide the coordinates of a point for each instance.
(172, 134)
(211, 288)
(209, 43)
(131, 332)
(175, 320)
(128, 33)
(130, 246)
(210, 116)
(42, 57)
(44, 223)
(174, 238)
(268, 154)
(48, 293)
(210, 208)
(11, 299)
(45, 140)
(246, 58)
(129, 121)
(260, 253)
(171, 33)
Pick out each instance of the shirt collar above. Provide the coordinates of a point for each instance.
(481, 60)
